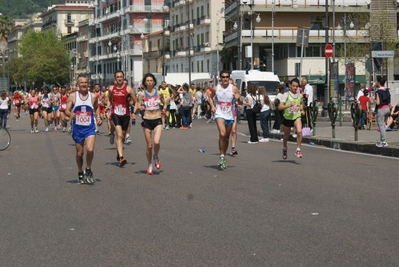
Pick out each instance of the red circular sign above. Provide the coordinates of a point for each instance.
(328, 50)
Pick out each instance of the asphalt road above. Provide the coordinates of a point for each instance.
(331, 208)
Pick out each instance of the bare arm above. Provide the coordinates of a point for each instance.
(210, 100)
(237, 95)
(69, 107)
(138, 106)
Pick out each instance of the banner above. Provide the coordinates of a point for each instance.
(350, 76)
(334, 80)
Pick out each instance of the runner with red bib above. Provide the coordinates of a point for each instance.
(64, 118)
(119, 97)
(17, 99)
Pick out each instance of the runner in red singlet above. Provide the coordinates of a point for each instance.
(118, 97)
(63, 99)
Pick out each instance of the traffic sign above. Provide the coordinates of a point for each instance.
(383, 54)
(328, 50)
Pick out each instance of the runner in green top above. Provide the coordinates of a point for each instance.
(291, 104)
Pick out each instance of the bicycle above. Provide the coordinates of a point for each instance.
(5, 138)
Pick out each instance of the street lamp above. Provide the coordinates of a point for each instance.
(165, 8)
(258, 19)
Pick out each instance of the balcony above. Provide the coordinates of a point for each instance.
(284, 35)
(152, 54)
(153, 8)
(206, 47)
(81, 38)
(69, 22)
(205, 20)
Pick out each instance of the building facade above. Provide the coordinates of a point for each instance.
(274, 36)
(64, 19)
(196, 30)
(117, 31)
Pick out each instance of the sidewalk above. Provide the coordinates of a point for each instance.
(345, 139)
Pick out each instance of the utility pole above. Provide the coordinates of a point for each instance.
(326, 98)
(188, 40)
(239, 43)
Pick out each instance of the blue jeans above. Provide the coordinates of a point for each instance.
(3, 117)
(362, 120)
(264, 122)
(185, 116)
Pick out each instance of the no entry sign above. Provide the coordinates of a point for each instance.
(328, 50)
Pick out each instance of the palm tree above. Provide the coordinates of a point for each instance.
(228, 57)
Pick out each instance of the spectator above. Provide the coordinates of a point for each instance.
(264, 113)
(278, 114)
(364, 101)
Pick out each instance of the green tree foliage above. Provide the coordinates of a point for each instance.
(21, 8)
(6, 24)
(44, 59)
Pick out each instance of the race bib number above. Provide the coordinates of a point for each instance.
(120, 110)
(34, 106)
(293, 109)
(83, 118)
(224, 107)
(63, 106)
(16, 101)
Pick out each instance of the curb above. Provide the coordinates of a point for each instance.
(344, 145)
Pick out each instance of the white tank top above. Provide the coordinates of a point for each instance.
(224, 102)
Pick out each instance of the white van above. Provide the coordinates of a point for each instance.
(268, 79)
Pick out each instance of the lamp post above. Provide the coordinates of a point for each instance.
(326, 98)
(165, 8)
(258, 19)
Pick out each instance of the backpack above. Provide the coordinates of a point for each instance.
(187, 100)
(385, 96)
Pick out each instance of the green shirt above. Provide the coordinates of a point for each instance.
(292, 112)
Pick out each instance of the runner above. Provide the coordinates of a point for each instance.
(81, 108)
(292, 106)
(47, 111)
(152, 118)
(63, 100)
(17, 100)
(33, 103)
(236, 108)
(55, 101)
(100, 99)
(222, 102)
(119, 99)
(168, 94)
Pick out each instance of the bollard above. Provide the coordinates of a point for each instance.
(332, 114)
(313, 113)
(356, 113)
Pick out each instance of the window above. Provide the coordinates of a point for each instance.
(147, 2)
(202, 11)
(317, 23)
(198, 12)
(207, 66)
(198, 68)
(69, 17)
(202, 66)
(310, 51)
(182, 69)
(69, 30)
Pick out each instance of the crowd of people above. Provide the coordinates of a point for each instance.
(168, 106)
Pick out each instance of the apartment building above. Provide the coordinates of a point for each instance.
(271, 28)
(21, 26)
(116, 40)
(196, 29)
(156, 52)
(64, 19)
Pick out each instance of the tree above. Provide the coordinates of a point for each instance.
(228, 56)
(44, 59)
(6, 24)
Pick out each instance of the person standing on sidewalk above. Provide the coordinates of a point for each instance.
(82, 108)
(118, 98)
(249, 102)
(382, 99)
(308, 99)
(292, 107)
(221, 101)
(5, 102)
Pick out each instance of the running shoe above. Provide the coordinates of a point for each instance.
(128, 140)
(122, 161)
(157, 162)
(284, 153)
(81, 179)
(32, 131)
(89, 177)
(222, 163)
(149, 170)
(167, 127)
(46, 130)
(298, 153)
(63, 129)
(112, 139)
(36, 130)
(233, 152)
(117, 156)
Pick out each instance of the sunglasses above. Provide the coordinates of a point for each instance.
(224, 77)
